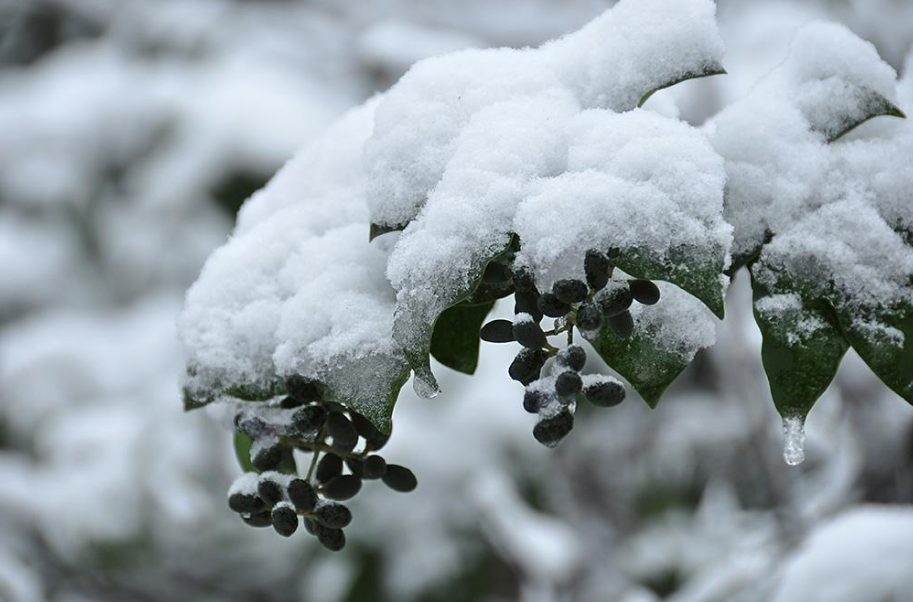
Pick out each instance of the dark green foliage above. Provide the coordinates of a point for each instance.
(622, 324)
(342, 488)
(529, 334)
(553, 307)
(597, 268)
(269, 490)
(605, 394)
(374, 467)
(527, 365)
(498, 331)
(341, 429)
(644, 291)
(455, 339)
(570, 290)
(496, 273)
(302, 389)
(245, 502)
(572, 357)
(333, 516)
(329, 467)
(615, 301)
(400, 478)
(550, 431)
(285, 520)
(568, 384)
(589, 317)
(302, 495)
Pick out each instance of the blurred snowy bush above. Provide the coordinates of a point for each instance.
(130, 132)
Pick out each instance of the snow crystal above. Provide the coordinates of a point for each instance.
(246, 483)
(788, 308)
(794, 440)
(678, 324)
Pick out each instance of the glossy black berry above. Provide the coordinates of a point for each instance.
(269, 490)
(622, 324)
(329, 467)
(498, 331)
(245, 502)
(528, 303)
(344, 447)
(645, 292)
(290, 402)
(302, 389)
(570, 290)
(356, 467)
(550, 431)
(332, 539)
(534, 400)
(342, 488)
(615, 300)
(605, 393)
(553, 307)
(400, 478)
(334, 516)
(302, 495)
(527, 365)
(368, 431)
(267, 457)
(598, 269)
(309, 419)
(589, 318)
(341, 429)
(259, 519)
(572, 357)
(528, 333)
(252, 426)
(523, 280)
(568, 384)
(311, 526)
(285, 519)
(374, 467)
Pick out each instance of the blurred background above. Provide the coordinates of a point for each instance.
(130, 133)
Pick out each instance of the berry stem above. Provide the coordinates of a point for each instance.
(315, 457)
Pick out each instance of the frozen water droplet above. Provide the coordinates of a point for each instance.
(794, 440)
(424, 387)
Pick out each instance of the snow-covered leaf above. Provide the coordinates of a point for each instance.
(707, 71)
(455, 341)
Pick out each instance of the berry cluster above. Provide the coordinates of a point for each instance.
(586, 306)
(342, 443)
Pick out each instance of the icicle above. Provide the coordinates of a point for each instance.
(425, 385)
(794, 440)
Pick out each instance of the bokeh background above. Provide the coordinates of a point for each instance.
(131, 131)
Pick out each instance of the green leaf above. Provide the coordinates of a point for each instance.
(868, 104)
(802, 346)
(455, 341)
(712, 69)
(696, 271)
(243, 443)
(376, 230)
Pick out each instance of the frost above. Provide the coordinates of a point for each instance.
(245, 483)
(794, 440)
(787, 308)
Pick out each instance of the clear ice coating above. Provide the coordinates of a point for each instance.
(794, 440)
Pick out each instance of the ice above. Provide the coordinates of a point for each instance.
(794, 440)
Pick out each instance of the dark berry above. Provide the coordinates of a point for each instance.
(552, 307)
(605, 393)
(550, 431)
(310, 526)
(259, 519)
(334, 516)
(527, 365)
(568, 384)
(589, 317)
(269, 490)
(302, 495)
(570, 290)
(534, 400)
(572, 357)
(645, 292)
(329, 467)
(341, 429)
(356, 466)
(289, 403)
(528, 303)
(622, 324)
(498, 331)
(523, 280)
(343, 447)
(400, 478)
(302, 389)
(368, 431)
(615, 300)
(598, 269)
(285, 520)
(332, 539)
(528, 333)
(252, 426)
(245, 502)
(374, 467)
(267, 457)
(342, 487)
(309, 419)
